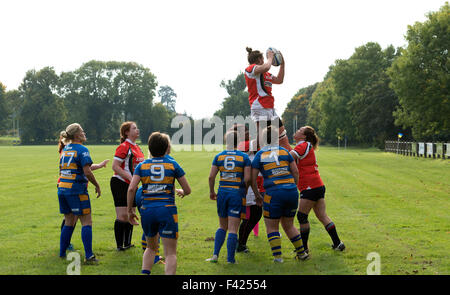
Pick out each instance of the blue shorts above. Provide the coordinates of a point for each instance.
(160, 219)
(78, 204)
(231, 203)
(280, 203)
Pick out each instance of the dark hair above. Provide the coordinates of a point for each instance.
(124, 128)
(253, 55)
(158, 143)
(311, 136)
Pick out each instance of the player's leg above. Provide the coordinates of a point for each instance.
(66, 233)
(233, 226)
(330, 227)
(170, 251)
(274, 237)
(305, 207)
(148, 257)
(86, 236)
(254, 216)
(294, 236)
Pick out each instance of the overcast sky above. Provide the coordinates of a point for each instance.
(193, 45)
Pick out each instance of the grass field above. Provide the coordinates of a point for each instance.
(394, 205)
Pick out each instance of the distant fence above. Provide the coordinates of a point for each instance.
(418, 149)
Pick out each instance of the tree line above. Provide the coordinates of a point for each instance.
(98, 95)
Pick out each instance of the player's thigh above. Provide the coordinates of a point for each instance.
(170, 246)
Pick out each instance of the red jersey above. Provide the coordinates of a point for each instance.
(259, 88)
(130, 155)
(308, 169)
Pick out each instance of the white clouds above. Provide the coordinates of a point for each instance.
(193, 45)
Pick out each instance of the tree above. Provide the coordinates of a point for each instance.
(14, 103)
(102, 95)
(3, 110)
(421, 78)
(168, 97)
(43, 111)
(236, 104)
(296, 112)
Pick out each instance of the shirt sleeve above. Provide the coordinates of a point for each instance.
(301, 150)
(214, 162)
(121, 153)
(137, 171)
(85, 158)
(256, 162)
(247, 161)
(179, 172)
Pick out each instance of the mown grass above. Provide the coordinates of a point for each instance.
(394, 205)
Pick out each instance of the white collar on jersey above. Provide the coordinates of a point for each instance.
(133, 143)
(301, 141)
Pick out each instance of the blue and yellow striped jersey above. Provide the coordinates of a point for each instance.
(231, 165)
(158, 180)
(71, 175)
(273, 163)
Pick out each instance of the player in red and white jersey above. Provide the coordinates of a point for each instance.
(312, 189)
(259, 84)
(127, 156)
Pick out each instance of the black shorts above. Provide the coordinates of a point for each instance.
(119, 191)
(313, 194)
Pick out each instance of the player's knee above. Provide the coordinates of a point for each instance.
(302, 218)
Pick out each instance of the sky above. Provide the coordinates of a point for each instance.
(192, 45)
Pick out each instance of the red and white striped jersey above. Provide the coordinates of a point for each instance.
(130, 155)
(259, 88)
(308, 169)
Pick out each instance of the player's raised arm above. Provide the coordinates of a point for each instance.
(264, 67)
(280, 77)
(211, 181)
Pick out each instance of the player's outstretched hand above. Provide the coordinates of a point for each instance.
(132, 218)
(213, 196)
(103, 163)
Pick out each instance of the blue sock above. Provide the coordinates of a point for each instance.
(64, 241)
(219, 240)
(231, 247)
(86, 237)
(145, 272)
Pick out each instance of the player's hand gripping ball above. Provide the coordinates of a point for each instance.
(277, 57)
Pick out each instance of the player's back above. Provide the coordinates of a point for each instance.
(72, 179)
(231, 164)
(158, 180)
(274, 164)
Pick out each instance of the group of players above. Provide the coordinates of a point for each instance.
(262, 173)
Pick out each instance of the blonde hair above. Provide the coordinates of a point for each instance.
(66, 136)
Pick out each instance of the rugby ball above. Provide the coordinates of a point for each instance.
(277, 58)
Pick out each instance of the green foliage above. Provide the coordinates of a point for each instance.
(4, 112)
(43, 112)
(236, 104)
(102, 95)
(296, 112)
(421, 78)
(168, 97)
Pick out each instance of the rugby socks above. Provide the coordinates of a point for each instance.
(128, 233)
(86, 237)
(275, 244)
(145, 272)
(231, 247)
(219, 240)
(331, 229)
(144, 242)
(247, 225)
(304, 232)
(66, 235)
(298, 244)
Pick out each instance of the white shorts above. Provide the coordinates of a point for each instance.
(263, 115)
